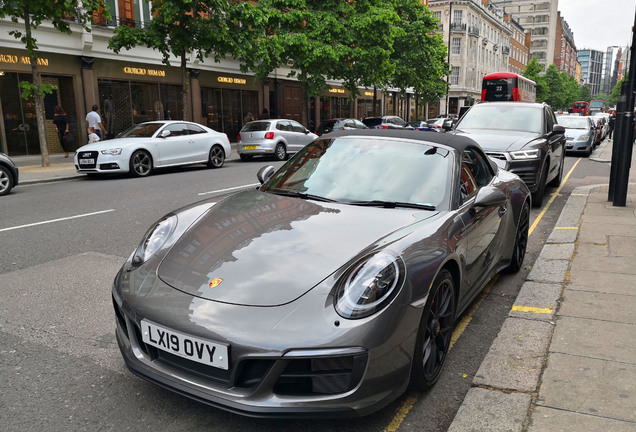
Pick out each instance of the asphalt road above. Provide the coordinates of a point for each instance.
(60, 367)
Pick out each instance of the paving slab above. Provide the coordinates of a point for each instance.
(622, 246)
(557, 251)
(548, 419)
(615, 283)
(492, 411)
(599, 306)
(589, 232)
(604, 264)
(605, 340)
(537, 301)
(589, 386)
(564, 234)
(516, 357)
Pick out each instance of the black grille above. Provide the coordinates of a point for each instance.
(83, 159)
(329, 375)
(120, 318)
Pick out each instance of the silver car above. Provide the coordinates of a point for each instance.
(273, 137)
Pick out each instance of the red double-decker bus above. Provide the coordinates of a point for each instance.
(581, 107)
(508, 86)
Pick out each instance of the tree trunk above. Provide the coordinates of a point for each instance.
(185, 86)
(37, 96)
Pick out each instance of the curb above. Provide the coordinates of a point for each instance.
(507, 382)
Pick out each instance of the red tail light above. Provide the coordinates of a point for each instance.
(269, 135)
(239, 137)
(383, 127)
(437, 127)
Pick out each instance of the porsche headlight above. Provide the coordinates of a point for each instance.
(368, 286)
(155, 237)
(114, 151)
(525, 154)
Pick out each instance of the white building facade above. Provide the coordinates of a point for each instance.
(478, 40)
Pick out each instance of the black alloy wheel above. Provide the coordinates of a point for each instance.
(140, 164)
(537, 196)
(435, 331)
(521, 240)
(6, 181)
(216, 158)
(280, 153)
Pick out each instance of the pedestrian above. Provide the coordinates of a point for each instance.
(92, 136)
(60, 119)
(612, 122)
(93, 120)
(264, 114)
(248, 118)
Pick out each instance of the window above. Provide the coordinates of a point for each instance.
(457, 16)
(456, 46)
(177, 129)
(437, 15)
(454, 79)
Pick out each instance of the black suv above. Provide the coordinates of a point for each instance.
(386, 122)
(524, 138)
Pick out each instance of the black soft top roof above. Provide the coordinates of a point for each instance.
(451, 140)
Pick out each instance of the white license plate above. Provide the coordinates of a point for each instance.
(87, 161)
(191, 348)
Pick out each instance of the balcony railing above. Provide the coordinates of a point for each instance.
(457, 27)
(505, 50)
(473, 31)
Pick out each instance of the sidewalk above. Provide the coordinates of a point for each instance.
(565, 358)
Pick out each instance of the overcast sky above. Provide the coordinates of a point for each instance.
(598, 24)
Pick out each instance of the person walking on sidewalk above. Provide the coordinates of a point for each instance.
(612, 122)
(93, 120)
(60, 119)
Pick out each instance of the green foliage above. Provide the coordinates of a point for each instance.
(533, 71)
(585, 93)
(616, 92)
(554, 83)
(30, 90)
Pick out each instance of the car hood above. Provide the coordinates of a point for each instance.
(113, 143)
(575, 133)
(260, 249)
(499, 140)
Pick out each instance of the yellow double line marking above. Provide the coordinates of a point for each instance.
(461, 326)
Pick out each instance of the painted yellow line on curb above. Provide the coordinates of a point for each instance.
(572, 228)
(532, 309)
(463, 323)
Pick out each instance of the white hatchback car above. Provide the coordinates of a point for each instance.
(273, 137)
(157, 144)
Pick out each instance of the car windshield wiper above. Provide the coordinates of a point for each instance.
(392, 204)
(302, 195)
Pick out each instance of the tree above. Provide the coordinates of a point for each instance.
(30, 14)
(555, 88)
(616, 92)
(533, 71)
(585, 94)
(419, 53)
(571, 90)
(351, 41)
(179, 28)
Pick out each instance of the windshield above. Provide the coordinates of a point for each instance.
(143, 130)
(504, 116)
(573, 122)
(363, 169)
(255, 126)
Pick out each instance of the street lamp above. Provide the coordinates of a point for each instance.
(450, 16)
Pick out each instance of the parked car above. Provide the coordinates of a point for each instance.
(580, 134)
(151, 145)
(339, 124)
(421, 125)
(604, 122)
(524, 137)
(386, 122)
(598, 129)
(272, 137)
(280, 302)
(9, 174)
(440, 124)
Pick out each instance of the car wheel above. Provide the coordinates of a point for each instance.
(216, 158)
(140, 164)
(245, 157)
(556, 182)
(6, 181)
(280, 153)
(434, 334)
(537, 196)
(521, 240)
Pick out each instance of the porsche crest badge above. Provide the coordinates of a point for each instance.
(215, 282)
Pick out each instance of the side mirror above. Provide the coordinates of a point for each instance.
(165, 133)
(558, 129)
(489, 196)
(265, 173)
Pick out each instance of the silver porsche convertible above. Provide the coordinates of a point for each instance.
(331, 288)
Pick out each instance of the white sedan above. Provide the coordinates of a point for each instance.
(157, 144)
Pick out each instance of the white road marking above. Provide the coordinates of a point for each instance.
(56, 220)
(229, 189)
